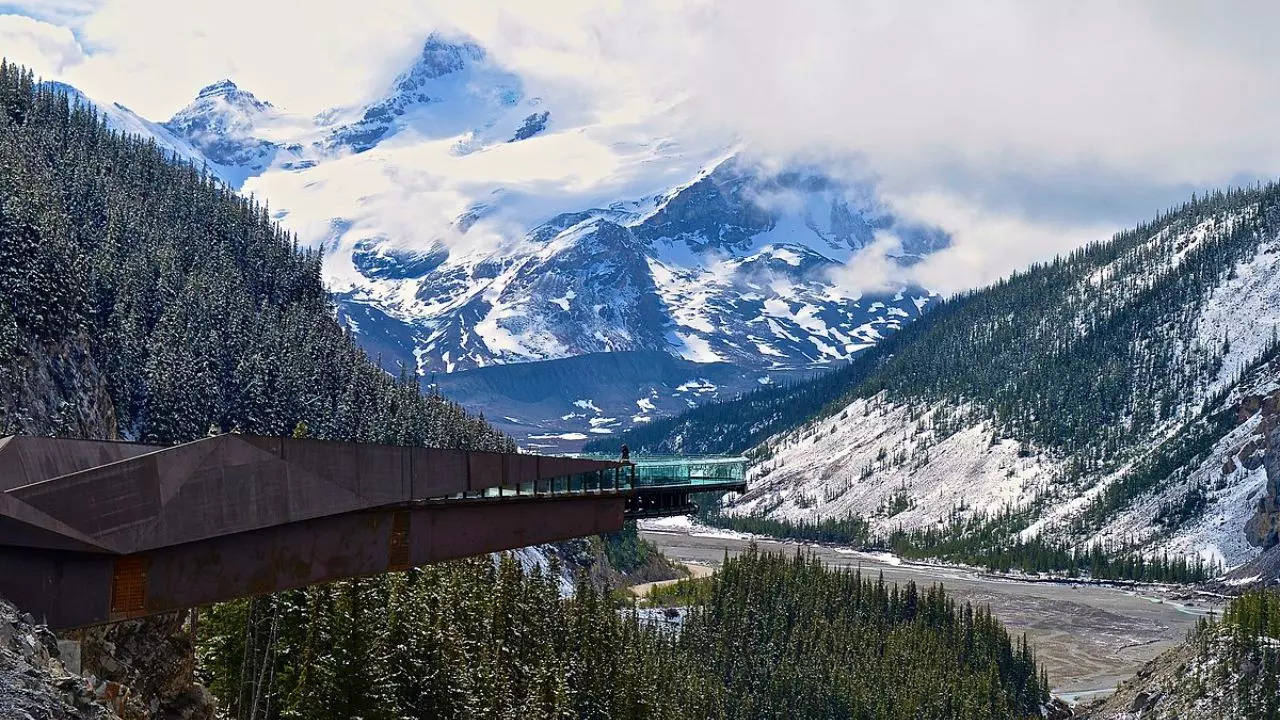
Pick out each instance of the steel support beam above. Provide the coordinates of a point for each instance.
(69, 590)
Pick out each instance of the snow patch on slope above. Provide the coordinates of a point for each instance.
(857, 460)
(1244, 312)
(875, 450)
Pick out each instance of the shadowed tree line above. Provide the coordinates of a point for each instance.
(768, 637)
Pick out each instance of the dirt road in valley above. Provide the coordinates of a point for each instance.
(1089, 637)
(695, 570)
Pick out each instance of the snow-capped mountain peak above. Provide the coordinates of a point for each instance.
(234, 128)
(736, 206)
(232, 94)
(222, 109)
(467, 220)
(452, 90)
(439, 57)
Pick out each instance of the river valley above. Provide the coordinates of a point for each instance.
(1090, 637)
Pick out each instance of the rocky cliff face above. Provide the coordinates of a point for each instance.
(1263, 450)
(56, 389)
(35, 680)
(142, 670)
(152, 663)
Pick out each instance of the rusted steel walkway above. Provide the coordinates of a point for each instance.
(94, 532)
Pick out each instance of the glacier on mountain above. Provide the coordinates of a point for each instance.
(469, 218)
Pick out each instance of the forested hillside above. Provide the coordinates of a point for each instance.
(770, 637)
(1115, 395)
(1112, 319)
(141, 298)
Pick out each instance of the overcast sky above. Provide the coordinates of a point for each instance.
(1024, 128)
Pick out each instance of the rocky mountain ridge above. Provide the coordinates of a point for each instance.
(453, 238)
(607, 393)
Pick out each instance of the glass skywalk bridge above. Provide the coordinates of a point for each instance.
(670, 470)
(661, 485)
(95, 532)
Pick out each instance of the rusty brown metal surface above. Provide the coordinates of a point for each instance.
(94, 532)
(128, 586)
(24, 526)
(398, 551)
(236, 483)
(64, 589)
(361, 544)
(25, 459)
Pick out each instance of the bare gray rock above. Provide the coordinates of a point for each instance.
(35, 684)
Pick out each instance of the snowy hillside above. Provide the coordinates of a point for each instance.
(1223, 504)
(875, 450)
(1189, 469)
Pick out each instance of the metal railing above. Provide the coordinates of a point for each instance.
(678, 470)
(657, 470)
(647, 471)
(595, 481)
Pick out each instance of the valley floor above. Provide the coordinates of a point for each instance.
(1090, 637)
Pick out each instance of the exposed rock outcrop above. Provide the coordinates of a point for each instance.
(1263, 528)
(1261, 571)
(56, 389)
(1210, 677)
(35, 683)
(152, 661)
(590, 557)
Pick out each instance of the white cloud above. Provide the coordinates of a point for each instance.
(68, 13)
(154, 54)
(46, 48)
(1023, 128)
(873, 270)
(985, 245)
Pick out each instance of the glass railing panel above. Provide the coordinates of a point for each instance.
(653, 471)
(646, 471)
